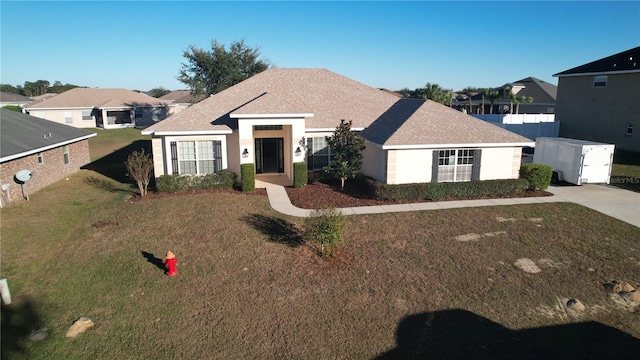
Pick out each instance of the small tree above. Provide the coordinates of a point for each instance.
(139, 167)
(346, 146)
(325, 226)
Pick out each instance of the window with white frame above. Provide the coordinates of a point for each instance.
(453, 165)
(600, 81)
(318, 153)
(196, 157)
(86, 115)
(68, 117)
(65, 154)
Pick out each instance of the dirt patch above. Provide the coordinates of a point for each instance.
(527, 265)
(104, 223)
(474, 236)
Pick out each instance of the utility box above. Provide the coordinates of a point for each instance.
(575, 161)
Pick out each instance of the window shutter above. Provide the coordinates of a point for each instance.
(434, 166)
(475, 171)
(218, 156)
(174, 157)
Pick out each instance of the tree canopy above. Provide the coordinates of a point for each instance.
(38, 87)
(158, 92)
(207, 72)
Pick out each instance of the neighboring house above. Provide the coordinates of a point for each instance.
(43, 96)
(105, 108)
(48, 150)
(182, 99)
(542, 93)
(14, 99)
(600, 101)
(282, 116)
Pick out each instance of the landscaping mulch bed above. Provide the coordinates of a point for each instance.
(327, 193)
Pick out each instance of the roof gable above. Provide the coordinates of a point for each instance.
(420, 123)
(626, 61)
(22, 134)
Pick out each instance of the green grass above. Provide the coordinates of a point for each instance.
(626, 170)
(400, 285)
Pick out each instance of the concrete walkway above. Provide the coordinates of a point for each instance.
(615, 202)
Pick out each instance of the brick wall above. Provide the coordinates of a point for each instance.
(51, 170)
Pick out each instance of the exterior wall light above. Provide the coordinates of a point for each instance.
(298, 151)
(245, 153)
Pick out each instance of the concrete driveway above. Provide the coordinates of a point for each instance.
(618, 203)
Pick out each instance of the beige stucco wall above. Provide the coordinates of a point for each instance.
(374, 162)
(409, 166)
(600, 113)
(499, 163)
(58, 116)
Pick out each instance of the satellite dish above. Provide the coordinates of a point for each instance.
(23, 176)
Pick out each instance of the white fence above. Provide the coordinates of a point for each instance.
(530, 126)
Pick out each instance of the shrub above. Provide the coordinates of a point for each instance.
(325, 226)
(537, 175)
(299, 174)
(174, 183)
(248, 177)
(447, 190)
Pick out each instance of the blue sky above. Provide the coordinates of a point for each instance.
(139, 45)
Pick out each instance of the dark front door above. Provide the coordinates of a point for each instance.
(269, 155)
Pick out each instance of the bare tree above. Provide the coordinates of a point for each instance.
(140, 167)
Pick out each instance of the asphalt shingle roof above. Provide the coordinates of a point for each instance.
(90, 98)
(11, 97)
(21, 134)
(626, 61)
(332, 97)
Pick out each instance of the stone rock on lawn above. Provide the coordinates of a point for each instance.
(574, 308)
(527, 265)
(39, 335)
(79, 326)
(631, 296)
(618, 287)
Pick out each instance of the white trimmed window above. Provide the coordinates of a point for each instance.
(600, 81)
(86, 115)
(453, 165)
(196, 157)
(65, 154)
(318, 153)
(68, 117)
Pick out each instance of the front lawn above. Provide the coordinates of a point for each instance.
(626, 170)
(430, 284)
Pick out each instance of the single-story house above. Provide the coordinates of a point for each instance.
(282, 116)
(182, 99)
(105, 108)
(47, 150)
(11, 99)
(598, 101)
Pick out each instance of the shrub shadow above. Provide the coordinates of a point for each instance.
(106, 185)
(460, 334)
(112, 165)
(278, 230)
(19, 320)
(154, 260)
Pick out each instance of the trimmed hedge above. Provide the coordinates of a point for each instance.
(537, 175)
(248, 177)
(446, 190)
(300, 176)
(174, 183)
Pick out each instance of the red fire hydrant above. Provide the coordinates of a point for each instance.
(170, 263)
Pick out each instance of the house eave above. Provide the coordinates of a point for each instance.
(270, 116)
(454, 145)
(45, 148)
(186, 133)
(598, 73)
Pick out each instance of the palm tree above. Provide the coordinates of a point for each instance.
(492, 95)
(511, 96)
(522, 100)
(433, 92)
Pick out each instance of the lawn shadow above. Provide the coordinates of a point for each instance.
(112, 165)
(107, 185)
(154, 260)
(19, 320)
(460, 334)
(278, 230)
